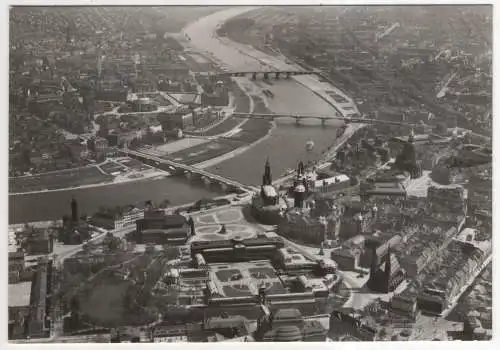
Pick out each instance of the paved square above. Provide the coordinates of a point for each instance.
(208, 226)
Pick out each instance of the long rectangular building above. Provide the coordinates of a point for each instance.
(259, 248)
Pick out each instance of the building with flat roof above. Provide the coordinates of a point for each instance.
(383, 189)
(19, 294)
(19, 308)
(28, 305)
(259, 248)
(163, 229)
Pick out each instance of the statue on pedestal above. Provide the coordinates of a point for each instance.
(223, 230)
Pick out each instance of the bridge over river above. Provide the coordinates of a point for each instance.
(170, 165)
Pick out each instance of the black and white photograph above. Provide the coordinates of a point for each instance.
(249, 173)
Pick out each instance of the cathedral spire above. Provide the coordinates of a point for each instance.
(300, 169)
(267, 177)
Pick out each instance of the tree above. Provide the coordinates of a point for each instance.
(382, 333)
(441, 128)
(164, 204)
(75, 304)
(467, 138)
(114, 244)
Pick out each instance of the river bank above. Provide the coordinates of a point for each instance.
(285, 146)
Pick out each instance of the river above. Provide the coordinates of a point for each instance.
(285, 147)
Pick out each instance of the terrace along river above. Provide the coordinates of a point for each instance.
(285, 147)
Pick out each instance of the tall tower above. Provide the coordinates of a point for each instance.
(267, 177)
(387, 271)
(68, 34)
(299, 195)
(99, 64)
(300, 170)
(372, 282)
(74, 210)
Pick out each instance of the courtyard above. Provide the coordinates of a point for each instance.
(245, 279)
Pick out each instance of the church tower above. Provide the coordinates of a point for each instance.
(74, 210)
(267, 177)
(300, 170)
(407, 159)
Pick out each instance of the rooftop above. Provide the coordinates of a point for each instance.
(19, 294)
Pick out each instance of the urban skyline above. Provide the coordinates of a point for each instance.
(250, 174)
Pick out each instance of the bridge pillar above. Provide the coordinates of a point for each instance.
(323, 122)
(277, 75)
(254, 76)
(266, 76)
(189, 175)
(297, 121)
(288, 75)
(206, 181)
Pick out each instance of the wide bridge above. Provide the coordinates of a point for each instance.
(276, 74)
(188, 170)
(323, 118)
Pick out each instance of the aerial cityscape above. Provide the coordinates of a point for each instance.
(250, 174)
